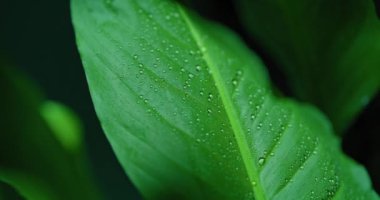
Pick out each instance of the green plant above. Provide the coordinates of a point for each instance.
(190, 112)
(41, 148)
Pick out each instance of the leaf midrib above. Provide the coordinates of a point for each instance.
(233, 117)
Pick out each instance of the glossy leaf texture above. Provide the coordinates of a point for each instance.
(41, 155)
(328, 50)
(189, 112)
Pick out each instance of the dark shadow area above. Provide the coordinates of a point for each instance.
(362, 140)
(377, 4)
(7, 192)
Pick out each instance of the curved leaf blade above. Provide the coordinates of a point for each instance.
(189, 112)
(327, 49)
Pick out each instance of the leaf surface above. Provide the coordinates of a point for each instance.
(189, 112)
(327, 49)
(41, 155)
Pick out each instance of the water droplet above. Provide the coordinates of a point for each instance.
(261, 161)
(234, 82)
(198, 68)
(210, 96)
(253, 116)
(259, 126)
(254, 183)
(191, 75)
(209, 111)
(135, 57)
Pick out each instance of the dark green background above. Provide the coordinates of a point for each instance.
(37, 37)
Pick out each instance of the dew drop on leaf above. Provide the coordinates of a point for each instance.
(234, 82)
(261, 161)
(259, 126)
(210, 96)
(198, 68)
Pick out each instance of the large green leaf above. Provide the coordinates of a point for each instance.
(329, 50)
(41, 152)
(189, 112)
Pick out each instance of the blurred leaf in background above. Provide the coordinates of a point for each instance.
(329, 50)
(38, 38)
(41, 147)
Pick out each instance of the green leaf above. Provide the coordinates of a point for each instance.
(64, 124)
(327, 49)
(40, 157)
(189, 112)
